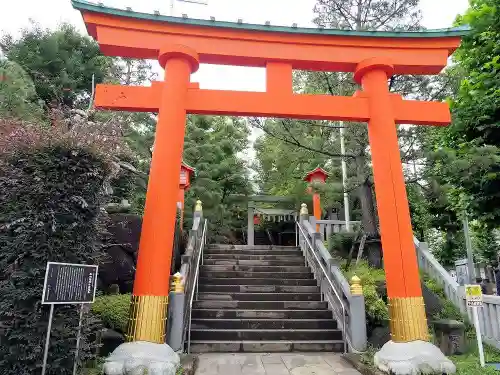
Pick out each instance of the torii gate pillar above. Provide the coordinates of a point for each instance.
(151, 286)
(406, 305)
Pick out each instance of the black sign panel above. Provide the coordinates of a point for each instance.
(67, 283)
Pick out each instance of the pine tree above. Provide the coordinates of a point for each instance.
(215, 146)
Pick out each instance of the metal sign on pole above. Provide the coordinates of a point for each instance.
(67, 283)
(474, 298)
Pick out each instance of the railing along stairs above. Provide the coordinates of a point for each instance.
(489, 314)
(185, 285)
(346, 301)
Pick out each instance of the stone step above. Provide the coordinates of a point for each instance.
(257, 275)
(261, 314)
(247, 247)
(254, 252)
(220, 280)
(257, 289)
(261, 305)
(259, 296)
(265, 334)
(259, 346)
(257, 268)
(268, 257)
(264, 324)
(295, 261)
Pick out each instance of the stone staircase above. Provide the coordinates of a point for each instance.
(260, 299)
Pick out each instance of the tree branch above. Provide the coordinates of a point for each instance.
(257, 124)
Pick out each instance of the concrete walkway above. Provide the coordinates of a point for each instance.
(274, 364)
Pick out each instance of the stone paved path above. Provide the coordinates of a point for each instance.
(274, 364)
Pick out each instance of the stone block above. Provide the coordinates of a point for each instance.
(450, 336)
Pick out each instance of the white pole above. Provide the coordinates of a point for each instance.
(478, 335)
(78, 337)
(47, 340)
(344, 179)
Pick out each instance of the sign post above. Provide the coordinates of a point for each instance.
(67, 283)
(474, 298)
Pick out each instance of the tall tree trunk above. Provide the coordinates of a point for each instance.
(365, 192)
(373, 246)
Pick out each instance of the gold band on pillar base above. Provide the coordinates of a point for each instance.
(407, 319)
(147, 319)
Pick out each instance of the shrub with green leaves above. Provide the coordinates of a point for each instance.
(339, 244)
(113, 310)
(51, 194)
(376, 308)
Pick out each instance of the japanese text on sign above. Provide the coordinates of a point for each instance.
(69, 283)
(474, 295)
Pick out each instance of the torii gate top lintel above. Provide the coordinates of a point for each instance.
(123, 33)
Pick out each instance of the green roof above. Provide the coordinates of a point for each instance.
(83, 5)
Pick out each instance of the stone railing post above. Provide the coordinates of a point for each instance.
(303, 217)
(198, 216)
(357, 318)
(304, 213)
(250, 225)
(315, 236)
(175, 319)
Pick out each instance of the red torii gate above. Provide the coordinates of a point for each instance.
(180, 45)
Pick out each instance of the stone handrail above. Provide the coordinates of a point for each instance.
(489, 314)
(179, 309)
(354, 305)
(328, 227)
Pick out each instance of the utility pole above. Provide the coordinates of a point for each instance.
(344, 180)
(172, 4)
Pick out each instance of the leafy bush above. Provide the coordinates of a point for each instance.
(51, 194)
(113, 310)
(376, 308)
(339, 244)
(17, 93)
(449, 310)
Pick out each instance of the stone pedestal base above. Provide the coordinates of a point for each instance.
(139, 357)
(412, 358)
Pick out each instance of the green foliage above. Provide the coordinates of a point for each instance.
(18, 97)
(213, 146)
(341, 243)
(60, 63)
(93, 367)
(113, 311)
(466, 155)
(468, 364)
(449, 310)
(376, 308)
(51, 198)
